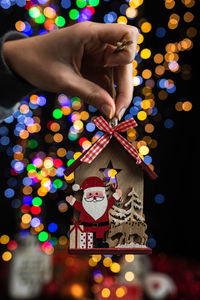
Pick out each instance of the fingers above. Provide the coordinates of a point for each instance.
(90, 93)
(124, 80)
(113, 33)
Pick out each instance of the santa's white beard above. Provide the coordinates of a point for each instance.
(97, 208)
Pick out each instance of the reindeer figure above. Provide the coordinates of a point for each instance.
(137, 232)
(126, 233)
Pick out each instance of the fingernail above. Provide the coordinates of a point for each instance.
(121, 113)
(107, 110)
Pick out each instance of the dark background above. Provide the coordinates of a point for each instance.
(174, 224)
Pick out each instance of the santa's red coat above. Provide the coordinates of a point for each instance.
(85, 217)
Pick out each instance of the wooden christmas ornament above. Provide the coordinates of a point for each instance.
(108, 194)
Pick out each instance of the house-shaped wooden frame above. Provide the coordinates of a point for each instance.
(130, 180)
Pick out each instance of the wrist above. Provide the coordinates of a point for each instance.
(7, 53)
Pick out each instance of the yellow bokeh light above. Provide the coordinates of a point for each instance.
(144, 150)
(77, 155)
(77, 290)
(86, 145)
(141, 143)
(20, 26)
(129, 257)
(69, 178)
(92, 263)
(187, 106)
(146, 104)
(131, 132)
(42, 191)
(122, 20)
(140, 38)
(145, 53)
(146, 74)
(4, 239)
(26, 218)
(78, 125)
(149, 128)
(48, 162)
(107, 262)
(129, 276)
(96, 258)
(84, 115)
(169, 4)
(142, 115)
(39, 228)
(105, 293)
(55, 127)
(49, 12)
(7, 255)
(115, 267)
(66, 110)
(158, 58)
(24, 134)
(131, 12)
(160, 70)
(146, 27)
(135, 3)
(58, 137)
(46, 182)
(121, 291)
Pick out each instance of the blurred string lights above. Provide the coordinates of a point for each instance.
(41, 174)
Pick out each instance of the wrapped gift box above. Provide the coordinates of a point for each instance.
(86, 240)
(75, 233)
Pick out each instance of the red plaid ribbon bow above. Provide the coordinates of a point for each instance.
(101, 143)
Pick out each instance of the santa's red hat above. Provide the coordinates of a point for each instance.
(91, 183)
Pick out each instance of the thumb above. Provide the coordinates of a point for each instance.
(92, 94)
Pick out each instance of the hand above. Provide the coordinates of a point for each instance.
(119, 192)
(72, 61)
(69, 199)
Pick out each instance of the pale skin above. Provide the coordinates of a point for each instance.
(76, 61)
(93, 194)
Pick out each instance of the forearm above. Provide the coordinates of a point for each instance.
(13, 87)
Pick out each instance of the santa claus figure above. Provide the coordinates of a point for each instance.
(94, 207)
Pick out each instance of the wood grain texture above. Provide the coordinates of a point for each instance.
(114, 251)
(131, 175)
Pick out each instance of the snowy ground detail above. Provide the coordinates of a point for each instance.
(131, 245)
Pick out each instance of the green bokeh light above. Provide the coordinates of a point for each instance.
(37, 201)
(57, 113)
(58, 183)
(70, 161)
(74, 14)
(60, 21)
(81, 3)
(43, 236)
(93, 2)
(34, 12)
(40, 19)
(33, 144)
(31, 167)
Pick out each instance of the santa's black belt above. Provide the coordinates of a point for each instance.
(95, 224)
